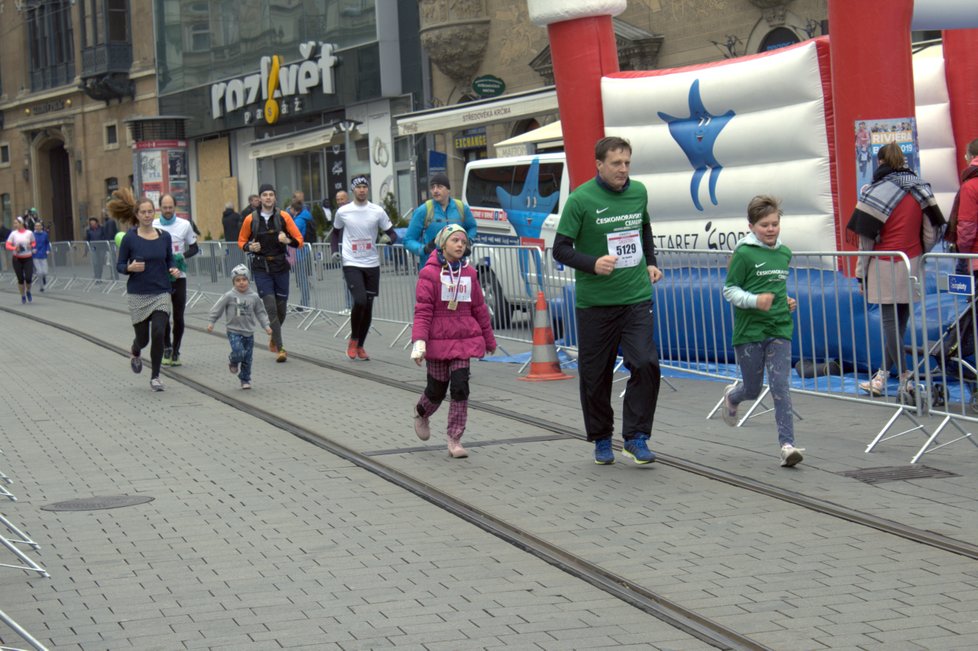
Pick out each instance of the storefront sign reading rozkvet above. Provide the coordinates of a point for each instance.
(284, 85)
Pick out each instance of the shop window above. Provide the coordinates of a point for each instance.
(4, 155)
(111, 185)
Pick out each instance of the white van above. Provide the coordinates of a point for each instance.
(516, 201)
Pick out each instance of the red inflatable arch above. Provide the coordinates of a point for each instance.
(870, 79)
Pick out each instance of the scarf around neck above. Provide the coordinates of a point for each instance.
(454, 266)
(884, 194)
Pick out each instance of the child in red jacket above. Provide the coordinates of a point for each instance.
(451, 325)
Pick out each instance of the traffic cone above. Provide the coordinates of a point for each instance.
(544, 364)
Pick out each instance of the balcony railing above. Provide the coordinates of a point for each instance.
(106, 58)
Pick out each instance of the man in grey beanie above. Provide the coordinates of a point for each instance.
(435, 214)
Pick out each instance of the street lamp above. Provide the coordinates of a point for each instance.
(347, 125)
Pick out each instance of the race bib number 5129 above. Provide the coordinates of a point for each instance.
(626, 245)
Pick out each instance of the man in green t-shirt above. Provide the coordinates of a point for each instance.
(605, 234)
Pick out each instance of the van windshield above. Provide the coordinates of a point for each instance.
(480, 188)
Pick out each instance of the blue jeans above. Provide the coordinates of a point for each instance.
(242, 347)
(775, 354)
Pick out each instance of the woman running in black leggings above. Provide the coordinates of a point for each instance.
(21, 243)
(146, 255)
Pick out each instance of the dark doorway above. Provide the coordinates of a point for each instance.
(61, 215)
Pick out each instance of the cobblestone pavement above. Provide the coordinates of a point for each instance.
(256, 539)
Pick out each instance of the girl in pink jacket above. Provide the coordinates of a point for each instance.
(451, 325)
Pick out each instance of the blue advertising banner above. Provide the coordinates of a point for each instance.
(437, 161)
(871, 135)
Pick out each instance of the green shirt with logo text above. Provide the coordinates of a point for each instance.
(759, 270)
(589, 216)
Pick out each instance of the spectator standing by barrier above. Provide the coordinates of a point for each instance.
(4, 234)
(21, 245)
(146, 255)
(605, 234)
(327, 213)
(242, 310)
(109, 230)
(451, 325)
(962, 230)
(95, 238)
(231, 223)
(254, 203)
(896, 212)
(429, 218)
(354, 236)
(303, 221)
(757, 288)
(265, 234)
(184, 243)
(30, 218)
(41, 253)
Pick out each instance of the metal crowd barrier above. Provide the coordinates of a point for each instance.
(24, 635)
(945, 367)
(838, 336)
(28, 565)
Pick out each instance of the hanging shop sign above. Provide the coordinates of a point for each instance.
(488, 86)
(277, 89)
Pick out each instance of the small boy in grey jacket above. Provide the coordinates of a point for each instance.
(242, 310)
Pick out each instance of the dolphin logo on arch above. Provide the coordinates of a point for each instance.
(696, 135)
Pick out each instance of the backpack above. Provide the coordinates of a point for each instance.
(430, 213)
(275, 223)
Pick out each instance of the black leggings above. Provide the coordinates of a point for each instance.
(24, 270)
(364, 285)
(179, 299)
(147, 330)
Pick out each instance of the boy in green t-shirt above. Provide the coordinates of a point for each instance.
(756, 286)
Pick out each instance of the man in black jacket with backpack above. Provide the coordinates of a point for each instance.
(265, 234)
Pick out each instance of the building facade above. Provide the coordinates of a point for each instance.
(339, 70)
(71, 72)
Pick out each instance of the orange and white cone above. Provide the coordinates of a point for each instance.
(544, 364)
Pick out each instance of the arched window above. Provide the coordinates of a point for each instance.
(777, 38)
